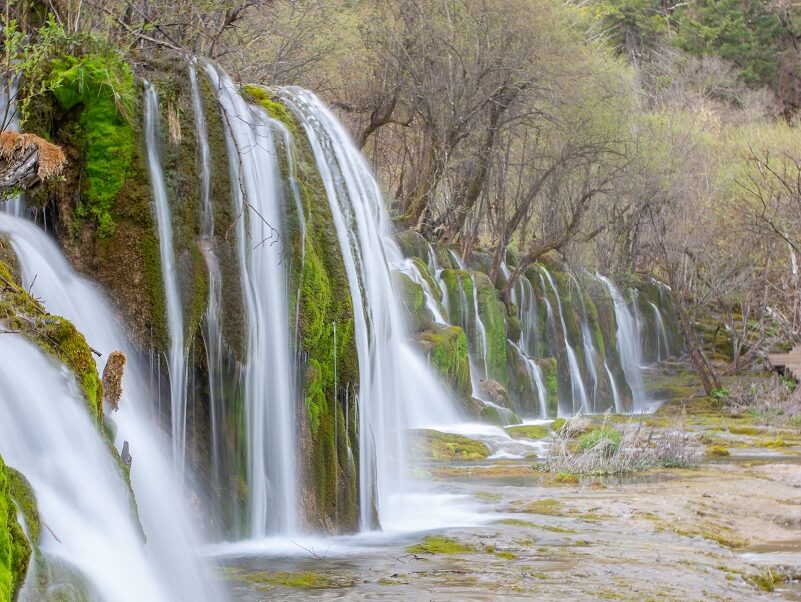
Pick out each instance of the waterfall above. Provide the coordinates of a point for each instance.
(170, 542)
(409, 268)
(536, 377)
(9, 120)
(169, 274)
(212, 334)
(590, 352)
(577, 382)
(270, 371)
(615, 392)
(661, 334)
(397, 390)
(529, 332)
(628, 343)
(46, 433)
(480, 331)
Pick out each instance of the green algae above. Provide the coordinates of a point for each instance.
(445, 447)
(435, 544)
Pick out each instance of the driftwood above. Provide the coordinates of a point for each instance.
(26, 160)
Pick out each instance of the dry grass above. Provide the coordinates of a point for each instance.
(775, 402)
(607, 450)
(112, 378)
(51, 157)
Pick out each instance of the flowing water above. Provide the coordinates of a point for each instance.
(171, 544)
(270, 371)
(628, 342)
(576, 379)
(175, 319)
(397, 390)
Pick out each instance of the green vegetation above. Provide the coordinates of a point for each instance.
(435, 544)
(445, 447)
(529, 431)
(15, 550)
(103, 85)
(447, 353)
(57, 336)
(605, 438)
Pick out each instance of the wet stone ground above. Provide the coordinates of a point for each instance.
(728, 529)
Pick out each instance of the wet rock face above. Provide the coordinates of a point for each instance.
(495, 392)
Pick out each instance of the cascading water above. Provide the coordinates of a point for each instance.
(212, 334)
(170, 541)
(590, 351)
(270, 370)
(662, 345)
(175, 319)
(628, 343)
(536, 377)
(577, 382)
(9, 120)
(46, 433)
(397, 390)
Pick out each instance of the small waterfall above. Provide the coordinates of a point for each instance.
(212, 335)
(397, 390)
(577, 382)
(536, 377)
(662, 345)
(480, 331)
(169, 272)
(590, 352)
(628, 342)
(409, 268)
(615, 393)
(170, 541)
(46, 433)
(529, 317)
(270, 371)
(9, 120)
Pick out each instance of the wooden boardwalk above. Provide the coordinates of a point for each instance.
(788, 364)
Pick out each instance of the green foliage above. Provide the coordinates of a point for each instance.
(720, 395)
(447, 354)
(607, 439)
(103, 85)
(15, 550)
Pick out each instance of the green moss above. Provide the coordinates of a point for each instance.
(15, 550)
(422, 267)
(717, 451)
(305, 580)
(499, 416)
(549, 507)
(446, 349)
(528, 431)
(261, 96)
(445, 447)
(54, 334)
(435, 544)
(414, 300)
(551, 380)
(104, 85)
(493, 317)
(412, 244)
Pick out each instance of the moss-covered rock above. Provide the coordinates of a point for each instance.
(446, 349)
(498, 416)
(15, 549)
(412, 244)
(493, 317)
(418, 314)
(446, 447)
(22, 312)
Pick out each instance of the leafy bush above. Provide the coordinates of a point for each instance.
(607, 440)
